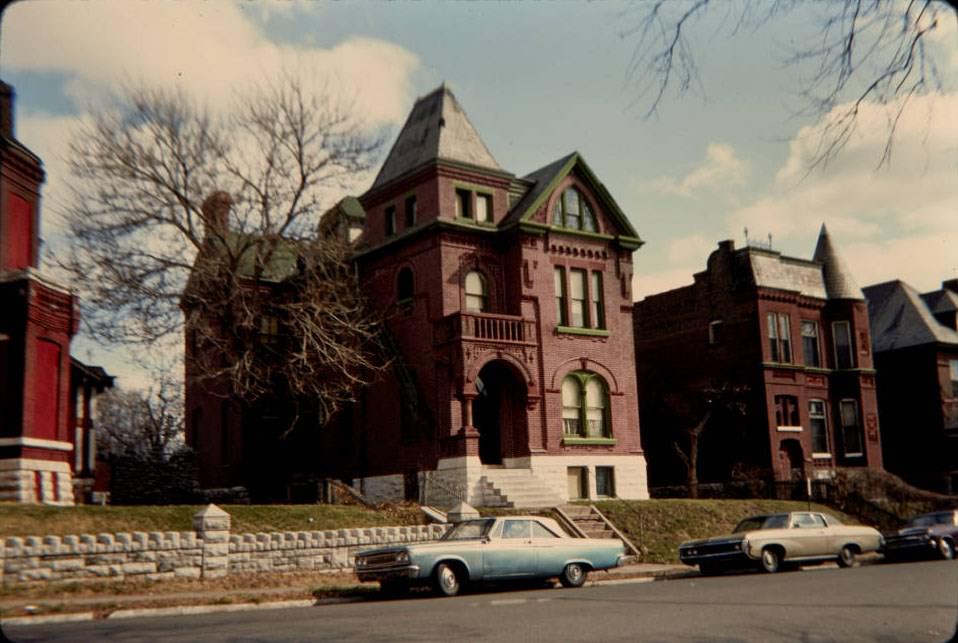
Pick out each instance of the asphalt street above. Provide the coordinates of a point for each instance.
(911, 602)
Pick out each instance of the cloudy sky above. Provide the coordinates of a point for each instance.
(538, 80)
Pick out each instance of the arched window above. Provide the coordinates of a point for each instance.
(585, 406)
(572, 210)
(404, 285)
(477, 292)
(595, 403)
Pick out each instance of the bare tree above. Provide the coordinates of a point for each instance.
(867, 51)
(700, 408)
(183, 218)
(145, 424)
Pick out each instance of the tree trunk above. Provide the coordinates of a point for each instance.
(693, 465)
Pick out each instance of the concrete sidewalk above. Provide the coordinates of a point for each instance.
(67, 608)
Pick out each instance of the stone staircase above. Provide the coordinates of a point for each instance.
(514, 488)
(590, 522)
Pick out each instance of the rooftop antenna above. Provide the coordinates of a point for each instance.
(769, 240)
(746, 235)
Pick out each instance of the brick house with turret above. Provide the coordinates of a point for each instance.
(792, 335)
(42, 414)
(509, 322)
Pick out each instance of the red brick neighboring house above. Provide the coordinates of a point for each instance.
(793, 334)
(915, 339)
(509, 304)
(38, 318)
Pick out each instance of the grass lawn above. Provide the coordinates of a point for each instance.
(37, 520)
(661, 525)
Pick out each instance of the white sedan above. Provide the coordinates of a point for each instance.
(768, 542)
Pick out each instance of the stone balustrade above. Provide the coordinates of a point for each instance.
(209, 551)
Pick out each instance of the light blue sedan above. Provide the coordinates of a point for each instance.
(490, 549)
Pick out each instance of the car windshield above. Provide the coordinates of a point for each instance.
(778, 521)
(928, 520)
(469, 529)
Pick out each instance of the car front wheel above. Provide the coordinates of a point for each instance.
(573, 575)
(945, 549)
(771, 560)
(846, 557)
(446, 580)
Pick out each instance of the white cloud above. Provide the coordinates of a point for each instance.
(897, 221)
(210, 49)
(720, 171)
(690, 250)
(651, 283)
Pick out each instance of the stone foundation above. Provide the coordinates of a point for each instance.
(36, 481)
(457, 479)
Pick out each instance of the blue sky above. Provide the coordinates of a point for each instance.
(538, 80)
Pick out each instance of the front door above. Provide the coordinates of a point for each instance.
(499, 412)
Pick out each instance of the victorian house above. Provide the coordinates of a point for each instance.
(513, 327)
(46, 430)
(915, 340)
(789, 338)
(508, 305)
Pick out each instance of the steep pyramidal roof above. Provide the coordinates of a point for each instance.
(838, 279)
(437, 128)
(900, 318)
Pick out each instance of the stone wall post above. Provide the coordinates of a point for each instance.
(212, 526)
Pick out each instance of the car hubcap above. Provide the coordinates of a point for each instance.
(575, 573)
(770, 561)
(448, 578)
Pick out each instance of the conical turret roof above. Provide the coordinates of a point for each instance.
(437, 128)
(838, 279)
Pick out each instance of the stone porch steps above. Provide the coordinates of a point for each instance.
(515, 488)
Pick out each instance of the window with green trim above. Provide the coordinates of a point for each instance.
(585, 406)
(597, 311)
(463, 204)
(571, 210)
(580, 301)
(577, 298)
(561, 314)
(483, 208)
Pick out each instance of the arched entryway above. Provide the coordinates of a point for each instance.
(794, 459)
(499, 411)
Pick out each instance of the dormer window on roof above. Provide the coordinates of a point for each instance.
(573, 211)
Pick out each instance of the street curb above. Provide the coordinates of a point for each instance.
(188, 610)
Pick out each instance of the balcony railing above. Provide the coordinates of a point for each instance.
(487, 327)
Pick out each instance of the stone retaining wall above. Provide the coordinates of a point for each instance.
(210, 551)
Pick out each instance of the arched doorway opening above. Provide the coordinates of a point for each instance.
(499, 412)
(794, 459)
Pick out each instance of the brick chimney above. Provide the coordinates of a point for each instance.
(216, 212)
(7, 98)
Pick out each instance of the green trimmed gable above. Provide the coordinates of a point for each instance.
(547, 180)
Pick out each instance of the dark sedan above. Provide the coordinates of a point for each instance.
(931, 535)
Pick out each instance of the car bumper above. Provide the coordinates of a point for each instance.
(910, 548)
(729, 558)
(395, 572)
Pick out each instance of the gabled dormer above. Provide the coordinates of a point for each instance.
(566, 198)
